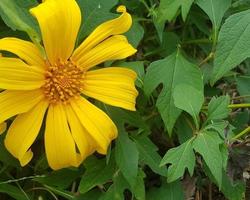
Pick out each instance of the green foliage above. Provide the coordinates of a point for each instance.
(171, 71)
(233, 44)
(180, 157)
(127, 157)
(17, 17)
(188, 134)
(207, 145)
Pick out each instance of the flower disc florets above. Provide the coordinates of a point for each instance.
(63, 81)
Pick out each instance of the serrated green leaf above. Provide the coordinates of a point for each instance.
(218, 108)
(167, 191)
(215, 9)
(189, 99)
(180, 158)
(127, 156)
(207, 145)
(171, 71)
(17, 17)
(148, 155)
(94, 12)
(233, 44)
(97, 173)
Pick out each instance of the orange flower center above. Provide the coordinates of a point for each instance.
(62, 82)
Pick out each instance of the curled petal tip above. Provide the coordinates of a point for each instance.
(121, 9)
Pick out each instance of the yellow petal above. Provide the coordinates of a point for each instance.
(96, 122)
(113, 48)
(112, 27)
(113, 85)
(59, 22)
(25, 50)
(16, 102)
(85, 144)
(59, 143)
(3, 127)
(23, 132)
(16, 75)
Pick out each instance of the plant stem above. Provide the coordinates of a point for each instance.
(210, 56)
(240, 105)
(244, 132)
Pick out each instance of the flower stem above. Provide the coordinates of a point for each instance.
(244, 132)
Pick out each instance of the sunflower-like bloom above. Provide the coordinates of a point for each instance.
(52, 86)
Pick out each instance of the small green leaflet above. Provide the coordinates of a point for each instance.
(233, 44)
(19, 18)
(189, 99)
(169, 8)
(215, 10)
(171, 71)
(218, 108)
(207, 145)
(180, 158)
(167, 11)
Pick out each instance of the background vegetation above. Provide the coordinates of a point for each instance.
(188, 137)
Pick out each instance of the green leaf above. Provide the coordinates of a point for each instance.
(61, 179)
(135, 33)
(139, 189)
(116, 190)
(207, 145)
(243, 83)
(148, 155)
(17, 17)
(94, 12)
(63, 193)
(97, 173)
(180, 158)
(233, 44)
(218, 108)
(14, 192)
(127, 156)
(169, 8)
(215, 10)
(232, 190)
(171, 71)
(189, 99)
(167, 191)
(6, 157)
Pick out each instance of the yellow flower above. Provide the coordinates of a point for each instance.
(36, 86)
